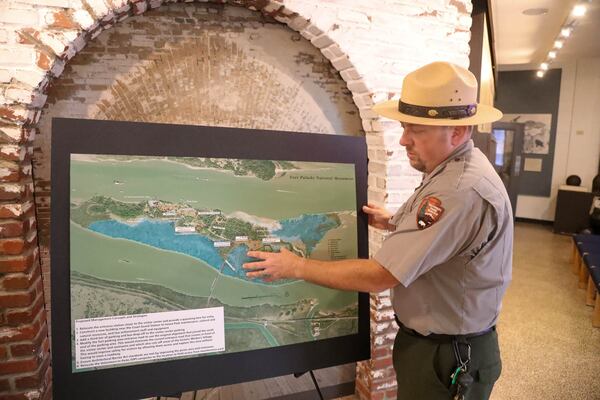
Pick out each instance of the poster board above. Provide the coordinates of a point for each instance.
(150, 227)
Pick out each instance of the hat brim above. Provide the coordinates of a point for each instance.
(485, 114)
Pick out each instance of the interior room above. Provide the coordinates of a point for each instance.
(236, 199)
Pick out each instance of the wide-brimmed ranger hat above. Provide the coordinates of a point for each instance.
(439, 94)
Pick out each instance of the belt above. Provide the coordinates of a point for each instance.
(442, 337)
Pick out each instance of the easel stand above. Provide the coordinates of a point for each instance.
(312, 375)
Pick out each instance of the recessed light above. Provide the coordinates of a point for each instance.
(579, 10)
(535, 11)
(540, 74)
(558, 44)
(552, 54)
(544, 66)
(565, 32)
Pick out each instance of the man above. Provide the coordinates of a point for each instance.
(448, 256)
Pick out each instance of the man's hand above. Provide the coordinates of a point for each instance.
(378, 217)
(275, 266)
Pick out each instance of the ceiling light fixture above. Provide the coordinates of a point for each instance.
(565, 32)
(540, 74)
(579, 10)
(552, 54)
(544, 66)
(558, 44)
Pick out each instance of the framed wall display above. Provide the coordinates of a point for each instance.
(151, 224)
(524, 98)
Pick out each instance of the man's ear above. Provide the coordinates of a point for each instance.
(459, 134)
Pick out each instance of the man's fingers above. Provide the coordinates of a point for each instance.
(255, 265)
(258, 254)
(260, 274)
(368, 210)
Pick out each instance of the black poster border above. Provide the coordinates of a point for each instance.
(161, 378)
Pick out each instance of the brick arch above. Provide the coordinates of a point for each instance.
(66, 34)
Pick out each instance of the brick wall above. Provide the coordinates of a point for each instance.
(372, 44)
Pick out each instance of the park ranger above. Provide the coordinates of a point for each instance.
(448, 255)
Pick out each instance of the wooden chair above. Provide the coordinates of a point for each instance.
(596, 314)
(590, 296)
(592, 266)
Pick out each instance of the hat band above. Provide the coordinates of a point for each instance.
(450, 112)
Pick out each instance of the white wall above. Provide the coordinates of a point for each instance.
(577, 147)
(584, 140)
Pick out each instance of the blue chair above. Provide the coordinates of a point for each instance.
(581, 244)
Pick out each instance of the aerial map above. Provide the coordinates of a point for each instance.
(151, 234)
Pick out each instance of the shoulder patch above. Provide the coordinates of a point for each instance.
(429, 212)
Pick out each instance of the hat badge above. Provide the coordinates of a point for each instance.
(432, 113)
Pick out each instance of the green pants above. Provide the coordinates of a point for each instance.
(424, 366)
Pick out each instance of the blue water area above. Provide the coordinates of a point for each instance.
(161, 234)
(237, 257)
(309, 228)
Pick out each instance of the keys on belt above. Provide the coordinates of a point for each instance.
(461, 379)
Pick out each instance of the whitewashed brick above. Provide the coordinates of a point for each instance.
(12, 132)
(332, 51)
(358, 17)
(298, 23)
(11, 15)
(19, 95)
(464, 22)
(17, 55)
(341, 63)
(57, 67)
(325, 20)
(51, 3)
(13, 150)
(401, 183)
(387, 125)
(272, 6)
(350, 74)
(306, 34)
(84, 19)
(119, 4)
(358, 86)
(313, 30)
(400, 196)
(321, 41)
(367, 113)
(363, 100)
(31, 77)
(366, 124)
(4, 76)
(374, 194)
(388, 140)
(56, 41)
(76, 45)
(99, 8)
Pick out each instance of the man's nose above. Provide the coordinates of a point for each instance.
(404, 139)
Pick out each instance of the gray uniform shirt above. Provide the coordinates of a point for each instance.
(454, 272)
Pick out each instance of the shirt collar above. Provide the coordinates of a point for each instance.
(458, 152)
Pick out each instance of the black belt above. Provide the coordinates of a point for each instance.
(439, 336)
